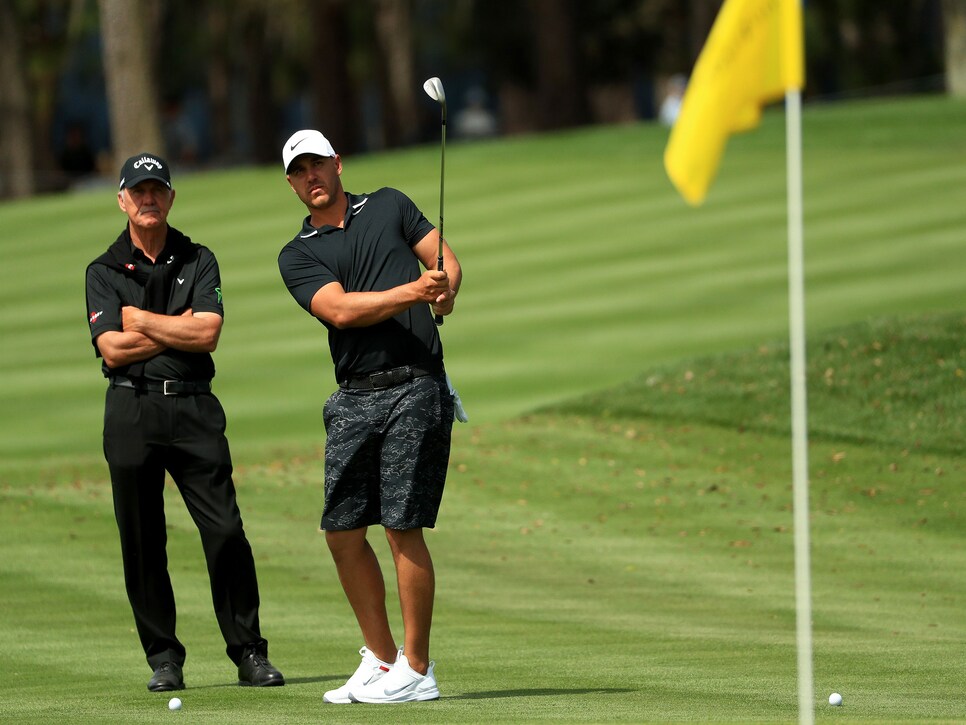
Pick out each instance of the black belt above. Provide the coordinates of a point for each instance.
(387, 378)
(168, 387)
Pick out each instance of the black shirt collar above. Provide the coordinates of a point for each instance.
(172, 241)
(352, 208)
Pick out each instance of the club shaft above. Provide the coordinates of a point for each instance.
(442, 182)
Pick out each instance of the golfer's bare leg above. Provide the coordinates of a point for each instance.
(417, 588)
(364, 587)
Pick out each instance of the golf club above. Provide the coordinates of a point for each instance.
(434, 89)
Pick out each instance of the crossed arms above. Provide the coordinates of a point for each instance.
(146, 334)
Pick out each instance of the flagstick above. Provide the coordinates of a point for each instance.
(796, 318)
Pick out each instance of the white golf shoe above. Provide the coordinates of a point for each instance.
(369, 670)
(401, 684)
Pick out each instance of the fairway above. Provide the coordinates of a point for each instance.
(583, 267)
(615, 543)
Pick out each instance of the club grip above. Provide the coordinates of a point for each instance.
(439, 267)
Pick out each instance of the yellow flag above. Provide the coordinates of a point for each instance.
(753, 55)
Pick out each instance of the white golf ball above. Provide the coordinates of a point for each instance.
(835, 699)
(174, 703)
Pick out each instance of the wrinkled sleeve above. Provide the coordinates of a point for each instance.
(207, 295)
(415, 225)
(303, 274)
(103, 304)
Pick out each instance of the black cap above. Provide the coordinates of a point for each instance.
(141, 167)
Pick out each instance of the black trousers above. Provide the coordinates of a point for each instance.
(146, 434)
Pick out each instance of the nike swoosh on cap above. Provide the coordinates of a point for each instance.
(292, 147)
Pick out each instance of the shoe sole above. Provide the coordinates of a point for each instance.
(166, 688)
(415, 697)
(271, 683)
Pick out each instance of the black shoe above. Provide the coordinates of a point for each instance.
(256, 671)
(166, 678)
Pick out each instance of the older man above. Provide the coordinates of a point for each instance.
(155, 312)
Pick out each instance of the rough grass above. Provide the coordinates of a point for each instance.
(615, 543)
(621, 558)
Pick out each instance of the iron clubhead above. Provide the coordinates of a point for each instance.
(434, 89)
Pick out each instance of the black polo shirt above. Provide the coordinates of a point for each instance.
(197, 285)
(371, 253)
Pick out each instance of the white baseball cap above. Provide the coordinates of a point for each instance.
(305, 141)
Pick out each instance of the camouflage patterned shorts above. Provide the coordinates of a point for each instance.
(386, 455)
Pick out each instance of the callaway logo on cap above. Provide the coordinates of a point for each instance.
(142, 167)
(306, 141)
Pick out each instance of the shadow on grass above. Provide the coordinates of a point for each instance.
(539, 692)
(288, 681)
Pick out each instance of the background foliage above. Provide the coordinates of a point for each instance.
(221, 83)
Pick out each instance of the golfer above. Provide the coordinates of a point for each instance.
(355, 265)
(155, 312)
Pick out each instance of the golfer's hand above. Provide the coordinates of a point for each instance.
(444, 303)
(432, 285)
(132, 319)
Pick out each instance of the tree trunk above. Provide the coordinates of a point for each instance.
(131, 92)
(262, 113)
(701, 16)
(335, 106)
(394, 35)
(219, 82)
(561, 92)
(16, 163)
(954, 22)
